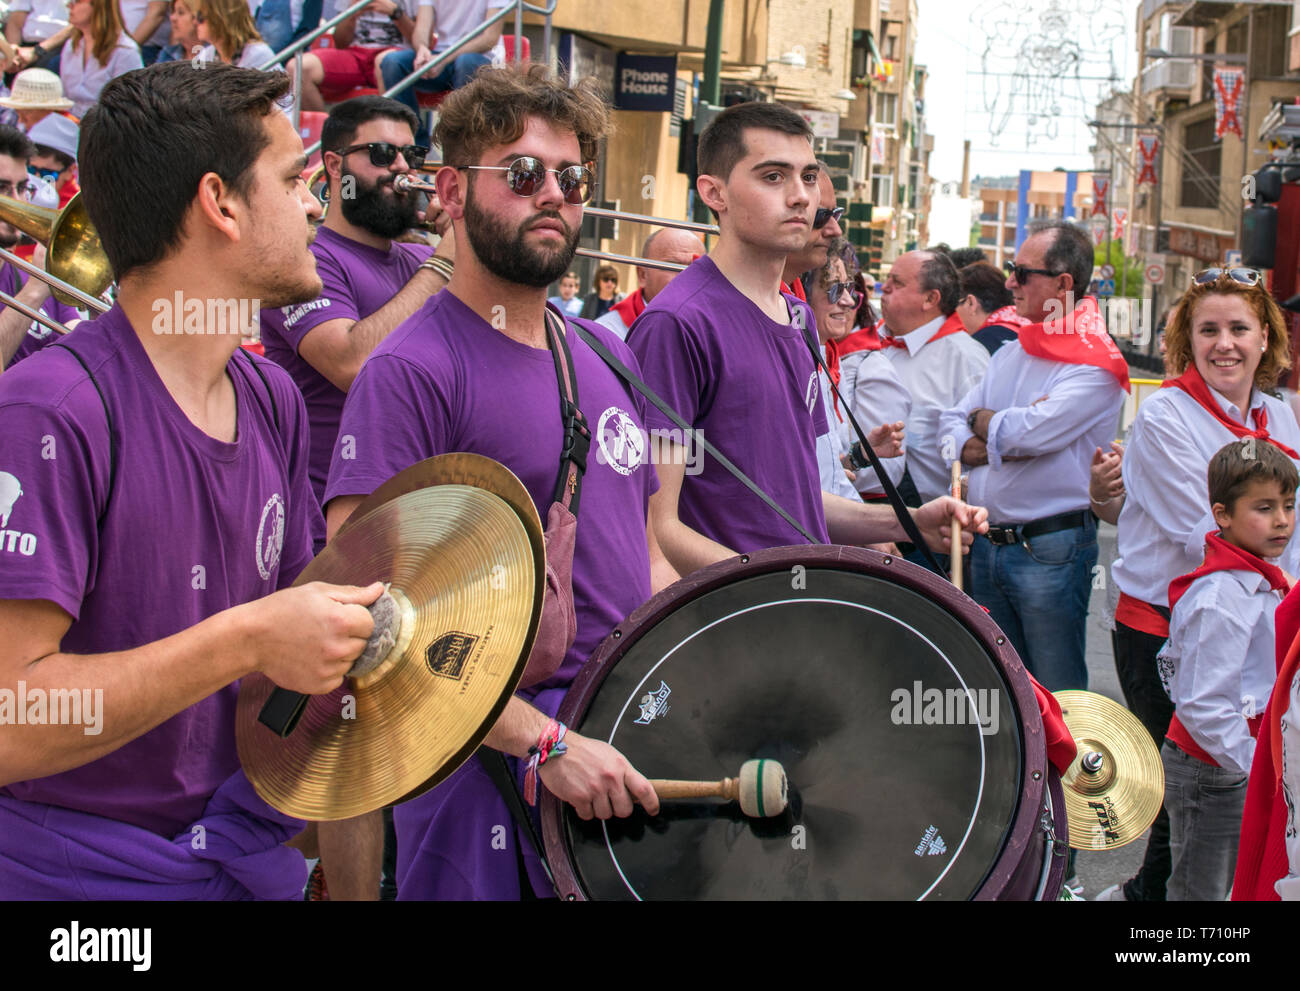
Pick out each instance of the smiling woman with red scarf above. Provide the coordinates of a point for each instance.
(1226, 343)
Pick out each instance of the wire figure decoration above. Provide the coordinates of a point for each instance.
(1036, 58)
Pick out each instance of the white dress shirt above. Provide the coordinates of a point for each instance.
(831, 446)
(1218, 661)
(45, 18)
(1288, 888)
(869, 381)
(1054, 412)
(936, 376)
(612, 319)
(1166, 513)
(83, 77)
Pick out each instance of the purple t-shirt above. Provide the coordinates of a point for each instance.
(194, 525)
(38, 335)
(446, 381)
(749, 386)
(358, 280)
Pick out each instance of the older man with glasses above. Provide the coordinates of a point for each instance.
(1028, 432)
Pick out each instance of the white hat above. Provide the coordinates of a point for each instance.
(37, 89)
(57, 132)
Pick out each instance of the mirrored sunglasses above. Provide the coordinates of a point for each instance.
(526, 175)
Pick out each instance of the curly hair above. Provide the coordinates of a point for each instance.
(1178, 332)
(494, 107)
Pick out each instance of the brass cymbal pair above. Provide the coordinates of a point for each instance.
(460, 541)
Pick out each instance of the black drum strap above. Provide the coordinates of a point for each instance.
(895, 500)
(632, 379)
(494, 763)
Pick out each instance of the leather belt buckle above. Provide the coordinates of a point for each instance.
(1002, 536)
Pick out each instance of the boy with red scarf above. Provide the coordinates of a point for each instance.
(1218, 663)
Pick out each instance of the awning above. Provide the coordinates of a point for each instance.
(871, 46)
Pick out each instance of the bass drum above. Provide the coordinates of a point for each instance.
(905, 722)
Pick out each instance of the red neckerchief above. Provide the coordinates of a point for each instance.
(865, 339)
(1192, 384)
(952, 325)
(1261, 856)
(1080, 338)
(1223, 556)
(1006, 317)
(630, 307)
(832, 352)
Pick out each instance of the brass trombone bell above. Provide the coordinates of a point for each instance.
(74, 255)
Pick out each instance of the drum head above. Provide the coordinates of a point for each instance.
(895, 721)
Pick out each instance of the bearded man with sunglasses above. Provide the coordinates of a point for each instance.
(473, 370)
(371, 282)
(1028, 431)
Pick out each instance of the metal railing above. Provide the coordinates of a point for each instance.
(518, 7)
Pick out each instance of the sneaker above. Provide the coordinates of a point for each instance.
(1075, 888)
(1115, 893)
(316, 890)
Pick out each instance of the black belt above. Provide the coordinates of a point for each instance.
(1005, 536)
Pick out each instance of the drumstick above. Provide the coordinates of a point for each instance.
(760, 788)
(955, 565)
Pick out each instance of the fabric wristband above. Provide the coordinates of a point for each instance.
(549, 744)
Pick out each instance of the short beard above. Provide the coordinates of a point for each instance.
(508, 257)
(8, 241)
(371, 209)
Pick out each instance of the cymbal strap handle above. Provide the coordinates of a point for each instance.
(281, 712)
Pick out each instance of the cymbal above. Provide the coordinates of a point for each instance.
(1116, 784)
(463, 570)
(464, 468)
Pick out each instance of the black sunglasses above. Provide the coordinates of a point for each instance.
(1020, 273)
(825, 213)
(836, 291)
(1244, 276)
(383, 154)
(526, 175)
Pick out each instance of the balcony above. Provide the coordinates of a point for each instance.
(1152, 7)
(1169, 74)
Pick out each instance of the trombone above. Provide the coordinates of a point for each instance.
(76, 267)
(408, 183)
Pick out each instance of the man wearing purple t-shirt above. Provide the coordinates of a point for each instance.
(730, 352)
(155, 505)
(472, 371)
(372, 283)
(20, 336)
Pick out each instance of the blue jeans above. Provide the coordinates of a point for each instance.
(398, 65)
(1037, 592)
(1205, 805)
(278, 30)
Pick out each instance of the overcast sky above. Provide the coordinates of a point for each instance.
(1023, 96)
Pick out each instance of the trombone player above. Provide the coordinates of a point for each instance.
(371, 282)
(20, 336)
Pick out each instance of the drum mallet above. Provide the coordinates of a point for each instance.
(955, 563)
(760, 788)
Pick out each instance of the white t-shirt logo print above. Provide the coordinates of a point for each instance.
(622, 445)
(810, 396)
(270, 536)
(10, 490)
